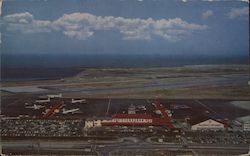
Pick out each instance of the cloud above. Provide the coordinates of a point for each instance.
(244, 1)
(238, 12)
(84, 25)
(81, 34)
(25, 23)
(207, 14)
(1, 3)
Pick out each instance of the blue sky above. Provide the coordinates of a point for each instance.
(165, 27)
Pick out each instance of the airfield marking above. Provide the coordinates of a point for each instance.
(204, 105)
(108, 107)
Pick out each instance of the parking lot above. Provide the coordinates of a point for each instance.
(41, 128)
(218, 137)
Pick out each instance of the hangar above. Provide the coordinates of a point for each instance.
(207, 123)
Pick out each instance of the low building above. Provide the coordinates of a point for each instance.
(94, 122)
(245, 122)
(134, 119)
(89, 123)
(207, 123)
(246, 126)
(132, 110)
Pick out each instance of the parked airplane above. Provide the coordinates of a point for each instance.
(55, 96)
(141, 108)
(78, 100)
(54, 109)
(43, 100)
(70, 111)
(35, 106)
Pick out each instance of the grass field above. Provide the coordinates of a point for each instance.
(188, 82)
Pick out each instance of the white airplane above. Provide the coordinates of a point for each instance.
(55, 96)
(78, 100)
(70, 111)
(168, 112)
(141, 107)
(36, 107)
(43, 100)
(158, 112)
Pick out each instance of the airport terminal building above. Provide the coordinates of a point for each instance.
(132, 118)
(207, 123)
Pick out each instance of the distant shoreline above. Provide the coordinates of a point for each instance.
(32, 74)
(36, 74)
(114, 61)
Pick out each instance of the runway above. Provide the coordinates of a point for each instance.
(225, 80)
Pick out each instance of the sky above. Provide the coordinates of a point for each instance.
(144, 27)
